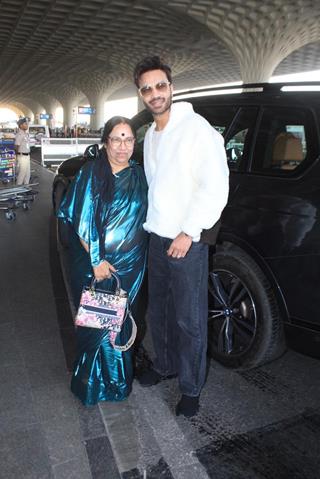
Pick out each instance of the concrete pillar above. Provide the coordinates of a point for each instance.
(97, 101)
(51, 106)
(97, 120)
(29, 107)
(37, 117)
(69, 113)
(29, 114)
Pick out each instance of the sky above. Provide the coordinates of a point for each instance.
(129, 106)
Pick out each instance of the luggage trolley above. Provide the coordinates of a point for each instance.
(7, 161)
(12, 196)
(16, 197)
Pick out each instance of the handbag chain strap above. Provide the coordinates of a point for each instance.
(129, 343)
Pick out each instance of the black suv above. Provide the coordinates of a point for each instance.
(265, 269)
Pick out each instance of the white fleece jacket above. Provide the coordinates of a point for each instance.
(189, 178)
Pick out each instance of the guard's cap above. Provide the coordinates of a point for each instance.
(22, 120)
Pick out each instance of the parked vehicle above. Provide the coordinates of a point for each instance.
(36, 132)
(265, 269)
(7, 133)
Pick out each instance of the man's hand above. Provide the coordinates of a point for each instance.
(103, 270)
(180, 246)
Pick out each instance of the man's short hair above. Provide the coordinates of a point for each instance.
(148, 64)
(22, 120)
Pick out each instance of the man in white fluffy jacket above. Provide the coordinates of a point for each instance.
(188, 178)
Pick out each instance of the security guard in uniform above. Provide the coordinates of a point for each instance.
(22, 147)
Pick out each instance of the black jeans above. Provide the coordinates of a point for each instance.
(178, 312)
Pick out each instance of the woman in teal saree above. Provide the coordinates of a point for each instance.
(106, 205)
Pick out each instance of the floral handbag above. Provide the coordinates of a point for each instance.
(106, 310)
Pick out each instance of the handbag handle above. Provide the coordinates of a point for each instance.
(118, 291)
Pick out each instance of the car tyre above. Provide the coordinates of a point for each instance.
(245, 325)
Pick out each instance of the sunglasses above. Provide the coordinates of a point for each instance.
(161, 86)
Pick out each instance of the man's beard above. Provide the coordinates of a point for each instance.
(166, 107)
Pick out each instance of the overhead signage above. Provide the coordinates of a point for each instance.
(46, 116)
(86, 110)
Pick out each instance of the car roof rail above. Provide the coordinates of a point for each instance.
(249, 88)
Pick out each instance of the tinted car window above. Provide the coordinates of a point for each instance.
(238, 138)
(284, 142)
(236, 124)
(220, 117)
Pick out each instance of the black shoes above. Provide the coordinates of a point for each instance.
(188, 406)
(152, 377)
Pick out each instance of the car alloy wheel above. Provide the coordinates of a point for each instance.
(245, 328)
(232, 313)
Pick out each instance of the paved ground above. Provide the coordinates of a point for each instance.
(259, 424)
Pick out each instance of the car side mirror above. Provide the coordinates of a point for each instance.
(91, 152)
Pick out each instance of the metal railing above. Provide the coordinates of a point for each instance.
(55, 150)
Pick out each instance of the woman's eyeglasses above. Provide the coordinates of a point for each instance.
(161, 86)
(116, 141)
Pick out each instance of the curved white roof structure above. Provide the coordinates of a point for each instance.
(67, 51)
